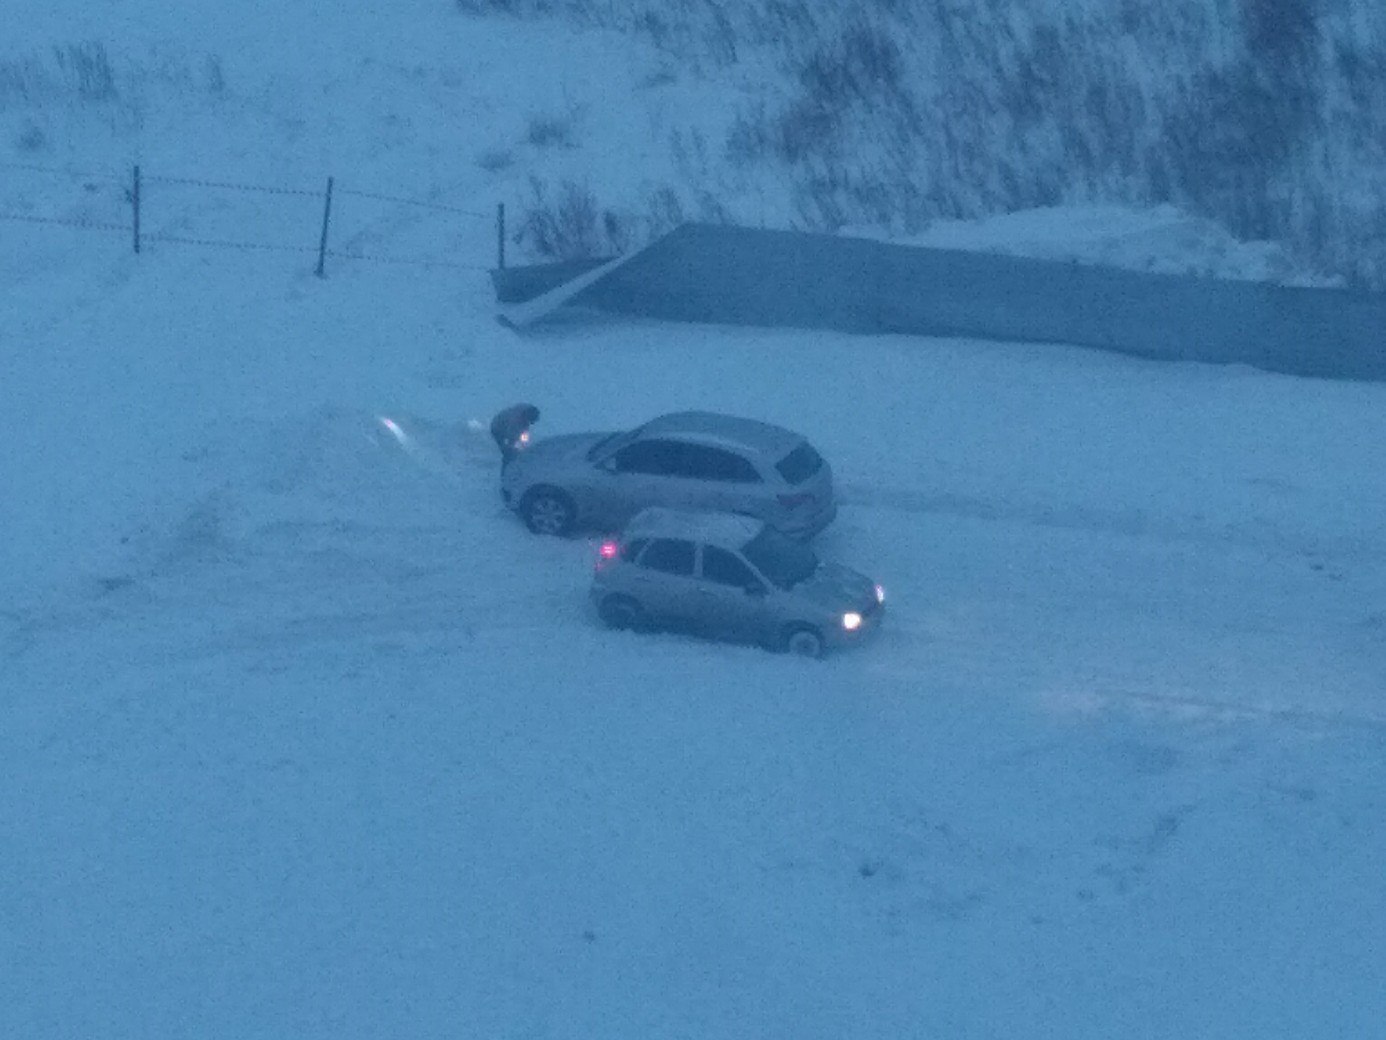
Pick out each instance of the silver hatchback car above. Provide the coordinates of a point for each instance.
(687, 460)
(733, 578)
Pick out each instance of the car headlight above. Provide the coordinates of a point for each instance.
(880, 594)
(851, 621)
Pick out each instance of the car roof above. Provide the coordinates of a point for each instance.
(726, 431)
(723, 529)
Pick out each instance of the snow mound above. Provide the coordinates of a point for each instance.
(1160, 239)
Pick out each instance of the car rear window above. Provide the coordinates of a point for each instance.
(800, 464)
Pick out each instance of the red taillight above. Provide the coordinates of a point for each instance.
(803, 498)
(606, 552)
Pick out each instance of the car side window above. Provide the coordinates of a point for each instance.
(669, 555)
(631, 550)
(706, 463)
(652, 457)
(726, 568)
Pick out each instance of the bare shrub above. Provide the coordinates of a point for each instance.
(495, 160)
(568, 222)
(31, 139)
(864, 65)
(21, 81)
(82, 74)
(1227, 146)
(87, 70)
(665, 211)
(861, 69)
(550, 131)
(719, 38)
(511, 7)
(661, 77)
(1281, 32)
(808, 127)
(214, 76)
(569, 226)
(749, 138)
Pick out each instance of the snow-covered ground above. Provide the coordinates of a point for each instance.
(303, 735)
(1159, 239)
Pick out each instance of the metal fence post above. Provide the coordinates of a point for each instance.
(500, 236)
(326, 215)
(135, 204)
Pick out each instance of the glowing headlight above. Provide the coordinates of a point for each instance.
(880, 594)
(851, 621)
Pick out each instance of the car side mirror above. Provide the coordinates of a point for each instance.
(607, 465)
(755, 589)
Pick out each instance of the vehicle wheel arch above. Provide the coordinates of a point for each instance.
(802, 639)
(558, 520)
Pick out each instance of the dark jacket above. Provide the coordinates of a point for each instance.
(510, 425)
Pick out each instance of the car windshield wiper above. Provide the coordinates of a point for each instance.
(596, 449)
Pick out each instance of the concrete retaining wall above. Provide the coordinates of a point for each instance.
(730, 275)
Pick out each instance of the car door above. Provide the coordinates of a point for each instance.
(663, 581)
(733, 601)
(722, 481)
(643, 473)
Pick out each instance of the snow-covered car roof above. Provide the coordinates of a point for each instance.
(729, 431)
(725, 529)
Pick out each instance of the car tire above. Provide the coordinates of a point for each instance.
(803, 641)
(623, 613)
(547, 510)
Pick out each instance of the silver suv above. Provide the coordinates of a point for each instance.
(734, 578)
(687, 460)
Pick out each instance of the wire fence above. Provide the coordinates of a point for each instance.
(77, 222)
(134, 197)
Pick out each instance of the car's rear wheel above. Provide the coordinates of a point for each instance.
(803, 641)
(547, 510)
(622, 612)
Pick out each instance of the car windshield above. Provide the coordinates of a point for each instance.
(608, 444)
(599, 449)
(783, 560)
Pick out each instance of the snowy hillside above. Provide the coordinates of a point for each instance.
(301, 734)
(1265, 116)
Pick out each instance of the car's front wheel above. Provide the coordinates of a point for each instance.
(622, 612)
(803, 641)
(547, 510)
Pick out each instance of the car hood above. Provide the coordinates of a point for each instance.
(556, 449)
(835, 587)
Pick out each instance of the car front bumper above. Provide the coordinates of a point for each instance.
(838, 637)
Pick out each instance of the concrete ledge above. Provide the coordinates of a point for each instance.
(745, 276)
(519, 284)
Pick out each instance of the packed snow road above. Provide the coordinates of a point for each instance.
(353, 527)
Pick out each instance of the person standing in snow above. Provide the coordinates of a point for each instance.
(510, 429)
